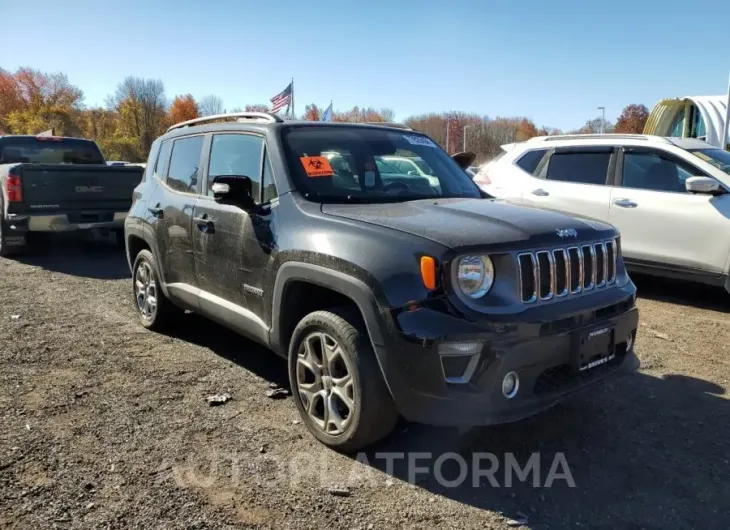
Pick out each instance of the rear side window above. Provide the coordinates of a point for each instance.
(529, 161)
(184, 164)
(163, 159)
(580, 168)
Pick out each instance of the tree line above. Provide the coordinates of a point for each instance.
(139, 111)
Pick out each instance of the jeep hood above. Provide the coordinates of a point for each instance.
(459, 223)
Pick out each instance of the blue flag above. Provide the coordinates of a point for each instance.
(327, 115)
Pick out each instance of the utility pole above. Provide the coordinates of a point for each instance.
(724, 143)
(603, 120)
(447, 137)
(465, 128)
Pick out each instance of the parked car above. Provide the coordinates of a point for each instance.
(386, 299)
(53, 184)
(412, 166)
(667, 196)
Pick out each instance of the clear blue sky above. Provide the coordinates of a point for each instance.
(553, 61)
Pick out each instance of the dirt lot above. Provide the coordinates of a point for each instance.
(106, 425)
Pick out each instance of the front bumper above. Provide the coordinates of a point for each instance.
(69, 222)
(543, 353)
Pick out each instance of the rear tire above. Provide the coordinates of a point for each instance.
(336, 381)
(155, 310)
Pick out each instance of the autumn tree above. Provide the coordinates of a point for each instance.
(311, 113)
(140, 104)
(35, 101)
(632, 119)
(183, 108)
(10, 100)
(210, 105)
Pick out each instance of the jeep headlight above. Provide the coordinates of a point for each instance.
(475, 275)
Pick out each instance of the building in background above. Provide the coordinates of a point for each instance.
(691, 117)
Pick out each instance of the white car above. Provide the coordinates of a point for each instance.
(669, 197)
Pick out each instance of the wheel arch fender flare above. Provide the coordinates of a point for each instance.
(139, 232)
(346, 285)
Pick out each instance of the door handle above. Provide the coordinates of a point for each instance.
(205, 223)
(540, 192)
(157, 211)
(625, 203)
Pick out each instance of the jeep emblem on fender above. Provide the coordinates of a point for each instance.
(567, 232)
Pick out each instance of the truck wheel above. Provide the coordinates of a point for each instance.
(154, 309)
(336, 381)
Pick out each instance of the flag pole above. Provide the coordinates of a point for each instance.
(724, 142)
(291, 114)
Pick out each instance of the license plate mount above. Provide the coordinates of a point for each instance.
(595, 348)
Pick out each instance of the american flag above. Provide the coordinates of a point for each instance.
(282, 99)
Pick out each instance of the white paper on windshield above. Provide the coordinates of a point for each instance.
(419, 140)
(369, 179)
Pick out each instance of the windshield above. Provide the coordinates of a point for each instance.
(717, 157)
(48, 150)
(351, 164)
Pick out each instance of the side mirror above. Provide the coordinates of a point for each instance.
(233, 189)
(702, 185)
(464, 159)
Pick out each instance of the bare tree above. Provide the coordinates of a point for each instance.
(210, 105)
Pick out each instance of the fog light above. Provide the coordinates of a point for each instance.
(510, 385)
(629, 342)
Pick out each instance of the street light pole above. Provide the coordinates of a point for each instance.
(465, 128)
(603, 120)
(447, 136)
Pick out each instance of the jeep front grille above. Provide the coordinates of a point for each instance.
(545, 274)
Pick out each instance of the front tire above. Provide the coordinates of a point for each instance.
(155, 310)
(336, 381)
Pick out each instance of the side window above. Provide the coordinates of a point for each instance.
(237, 154)
(270, 192)
(529, 161)
(656, 172)
(163, 159)
(579, 167)
(183, 173)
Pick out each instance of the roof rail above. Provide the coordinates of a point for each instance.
(388, 124)
(239, 116)
(589, 136)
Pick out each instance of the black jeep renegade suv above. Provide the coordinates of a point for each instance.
(391, 291)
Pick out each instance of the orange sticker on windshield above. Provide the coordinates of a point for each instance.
(317, 166)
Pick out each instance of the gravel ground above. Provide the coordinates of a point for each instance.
(106, 425)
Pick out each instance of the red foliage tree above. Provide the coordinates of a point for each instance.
(632, 119)
(183, 108)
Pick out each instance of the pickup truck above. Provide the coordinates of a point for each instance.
(54, 184)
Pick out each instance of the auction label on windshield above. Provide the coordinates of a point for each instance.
(317, 166)
(419, 140)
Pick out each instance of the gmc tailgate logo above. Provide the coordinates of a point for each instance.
(89, 189)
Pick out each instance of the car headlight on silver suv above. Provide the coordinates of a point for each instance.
(475, 275)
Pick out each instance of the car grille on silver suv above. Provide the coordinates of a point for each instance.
(565, 271)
